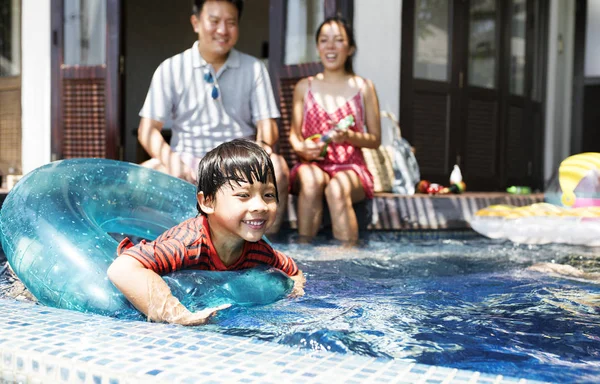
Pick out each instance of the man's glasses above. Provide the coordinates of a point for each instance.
(208, 77)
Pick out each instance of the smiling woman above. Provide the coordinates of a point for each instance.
(343, 108)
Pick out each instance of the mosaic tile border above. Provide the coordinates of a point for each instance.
(40, 344)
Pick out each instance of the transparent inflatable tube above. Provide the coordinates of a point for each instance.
(56, 225)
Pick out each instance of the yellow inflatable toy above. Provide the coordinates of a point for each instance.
(570, 215)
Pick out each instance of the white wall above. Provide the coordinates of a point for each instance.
(559, 85)
(377, 31)
(592, 39)
(35, 84)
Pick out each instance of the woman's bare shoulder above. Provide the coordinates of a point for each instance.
(302, 85)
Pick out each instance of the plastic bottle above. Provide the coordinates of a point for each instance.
(456, 175)
(342, 125)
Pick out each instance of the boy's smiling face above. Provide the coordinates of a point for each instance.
(241, 211)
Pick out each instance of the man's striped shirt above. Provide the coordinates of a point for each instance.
(189, 246)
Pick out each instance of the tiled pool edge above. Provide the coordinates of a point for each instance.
(40, 344)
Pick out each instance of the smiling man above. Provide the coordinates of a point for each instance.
(211, 94)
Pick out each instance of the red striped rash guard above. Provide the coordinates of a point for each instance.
(189, 246)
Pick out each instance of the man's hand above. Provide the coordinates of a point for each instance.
(181, 170)
(267, 147)
(299, 282)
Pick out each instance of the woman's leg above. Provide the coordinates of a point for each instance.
(341, 193)
(311, 184)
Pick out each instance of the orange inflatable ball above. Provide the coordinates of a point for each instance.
(422, 186)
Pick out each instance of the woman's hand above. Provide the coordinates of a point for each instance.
(310, 151)
(339, 136)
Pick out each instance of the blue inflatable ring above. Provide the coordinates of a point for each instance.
(57, 226)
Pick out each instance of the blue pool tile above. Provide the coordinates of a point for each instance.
(56, 352)
(81, 375)
(104, 361)
(154, 372)
(64, 374)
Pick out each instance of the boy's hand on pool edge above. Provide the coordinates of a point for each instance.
(299, 281)
(198, 318)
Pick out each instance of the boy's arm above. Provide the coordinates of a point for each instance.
(149, 293)
(289, 267)
(299, 281)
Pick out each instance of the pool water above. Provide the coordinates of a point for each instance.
(466, 302)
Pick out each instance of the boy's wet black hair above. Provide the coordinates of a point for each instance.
(349, 32)
(198, 4)
(235, 161)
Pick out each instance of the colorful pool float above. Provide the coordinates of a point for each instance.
(572, 218)
(58, 227)
(540, 223)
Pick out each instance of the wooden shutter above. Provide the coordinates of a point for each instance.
(85, 99)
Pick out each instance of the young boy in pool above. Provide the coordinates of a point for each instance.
(237, 201)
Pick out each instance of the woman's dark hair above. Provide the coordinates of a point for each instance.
(349, 32)
(197, 6)
(239, 161)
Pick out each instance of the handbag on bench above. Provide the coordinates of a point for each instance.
(394, 166)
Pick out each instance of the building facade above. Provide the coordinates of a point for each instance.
(503, 88)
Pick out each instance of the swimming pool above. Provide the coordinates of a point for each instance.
(461, 302)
